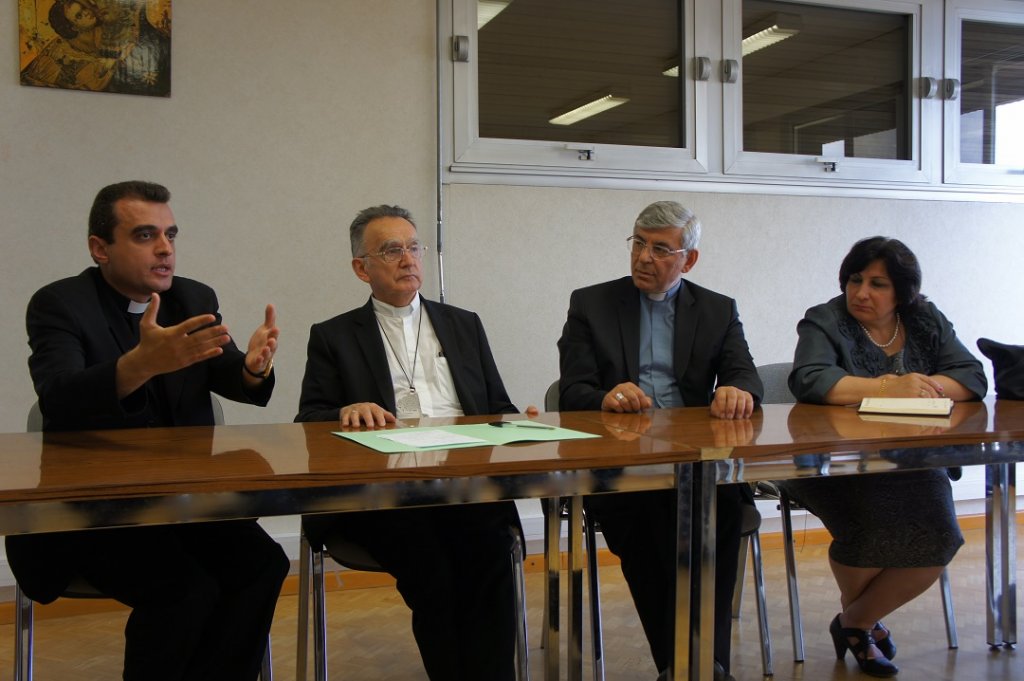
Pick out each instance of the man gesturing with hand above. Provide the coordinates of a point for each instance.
(127, 344)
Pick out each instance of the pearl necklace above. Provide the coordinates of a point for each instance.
(891, 340)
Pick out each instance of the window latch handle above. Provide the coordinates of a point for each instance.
(583, 152)
(951, 89)
(828, 163)
(460, 48)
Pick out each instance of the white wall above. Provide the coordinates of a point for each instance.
(287, 118)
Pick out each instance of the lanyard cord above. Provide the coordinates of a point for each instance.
(419, 327)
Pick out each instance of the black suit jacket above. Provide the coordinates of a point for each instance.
(346, 363)
(600, 345)
(77, 333)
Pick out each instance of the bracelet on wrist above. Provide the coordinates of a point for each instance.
(263, 375)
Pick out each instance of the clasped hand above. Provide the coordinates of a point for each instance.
(729, 402)
(625, 398)
(732, 403)
(913, 385)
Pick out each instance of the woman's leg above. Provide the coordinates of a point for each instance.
(869, 594)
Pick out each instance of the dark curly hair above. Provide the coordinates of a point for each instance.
(900, 263)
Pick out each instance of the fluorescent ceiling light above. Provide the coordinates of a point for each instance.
(488, 9)
(767, 38)
(773, 29)
(589, 109)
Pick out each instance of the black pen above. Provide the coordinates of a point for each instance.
(518, 424)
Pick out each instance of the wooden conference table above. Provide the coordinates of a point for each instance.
(94, 479)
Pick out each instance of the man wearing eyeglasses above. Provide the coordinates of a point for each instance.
(401, 356)
(656, 340)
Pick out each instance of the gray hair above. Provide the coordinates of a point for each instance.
(357, 230)
(671, 215)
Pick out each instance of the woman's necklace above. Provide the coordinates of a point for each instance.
(892, 340)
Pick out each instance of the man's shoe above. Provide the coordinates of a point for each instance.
(721, 674)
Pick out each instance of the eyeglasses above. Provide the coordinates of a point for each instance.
(396, 253)
(636, 246)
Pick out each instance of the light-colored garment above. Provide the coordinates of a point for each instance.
(431, 377)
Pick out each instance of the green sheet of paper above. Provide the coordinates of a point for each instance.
(429, 438)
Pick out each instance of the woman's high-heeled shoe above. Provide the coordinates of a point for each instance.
(862, 641)
(886, 646)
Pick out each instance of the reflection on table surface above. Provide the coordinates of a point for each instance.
(270, 469)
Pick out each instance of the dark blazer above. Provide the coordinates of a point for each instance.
(346, 363)
(77, 335)
(832, 345)
(600, 345)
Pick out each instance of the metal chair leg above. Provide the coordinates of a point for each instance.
(762, 608)
(23, 631)
(795, 619)
(319, 618)
(947, 608)
(519, 582)
(267, 666)
(302, 638)
(596, 630)
(737, 593)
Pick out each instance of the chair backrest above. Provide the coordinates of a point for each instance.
(218, 411)
(775, 378)
(35, 419)
(551, 397)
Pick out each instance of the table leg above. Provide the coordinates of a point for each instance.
(575, 627)
(693, 657)
(1000, 554)
(552, 568)
(1010, 619)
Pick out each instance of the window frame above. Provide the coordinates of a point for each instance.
(471, 154)
(712, 159)
(925, 114)
(955, 171)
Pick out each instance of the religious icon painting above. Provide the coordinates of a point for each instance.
(98, 45)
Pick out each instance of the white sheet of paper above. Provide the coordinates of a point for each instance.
(430, 438)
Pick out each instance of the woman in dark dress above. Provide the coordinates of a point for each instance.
(894, 533)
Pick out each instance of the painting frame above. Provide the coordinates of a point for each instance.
(120, 46)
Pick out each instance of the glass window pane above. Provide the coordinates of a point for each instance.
(539, 59)
(816, 76)
(992, 94)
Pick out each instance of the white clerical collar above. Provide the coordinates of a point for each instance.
(137, 308)
(386, 310)
(665, 295)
